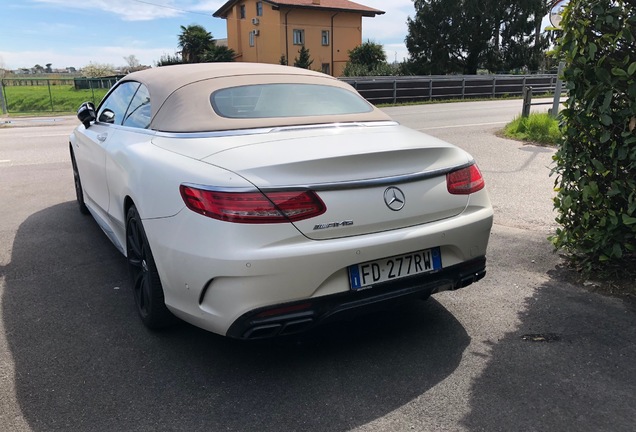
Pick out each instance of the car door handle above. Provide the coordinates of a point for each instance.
(102, 137)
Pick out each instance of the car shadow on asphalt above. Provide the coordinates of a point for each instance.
(570, 363)
(83, 360)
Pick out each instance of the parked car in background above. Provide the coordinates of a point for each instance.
(258, 200)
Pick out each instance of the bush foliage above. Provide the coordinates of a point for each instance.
(368, 59)
(596, 161)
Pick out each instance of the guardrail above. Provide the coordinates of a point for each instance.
(557, 91)
(393, 90)
(528, 93)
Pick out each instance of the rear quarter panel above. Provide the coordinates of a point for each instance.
(150, 176)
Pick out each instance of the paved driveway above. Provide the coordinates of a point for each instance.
(522, 350)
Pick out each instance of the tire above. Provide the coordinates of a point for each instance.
(79, 192)
(146, 284)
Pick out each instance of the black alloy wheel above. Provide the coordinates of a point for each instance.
(79, 192)
(146, 284)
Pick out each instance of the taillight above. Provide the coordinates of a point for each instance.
(465, 181)
(253, 207)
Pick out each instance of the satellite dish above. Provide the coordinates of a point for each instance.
(556, 13)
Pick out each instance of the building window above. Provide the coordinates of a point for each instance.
(299, 37)
(242, 11)
(325, 37)
(252, 39)
(259, 8)
(326, 68)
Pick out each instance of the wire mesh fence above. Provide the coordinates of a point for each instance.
(36, 95)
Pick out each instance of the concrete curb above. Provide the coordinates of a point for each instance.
(6, 121)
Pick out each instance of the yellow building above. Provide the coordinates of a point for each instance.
(264, 31)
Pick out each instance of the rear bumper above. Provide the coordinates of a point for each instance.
(216, 275)
(297, 317)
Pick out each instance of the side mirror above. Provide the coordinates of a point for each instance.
(107, 116)
(86, 113)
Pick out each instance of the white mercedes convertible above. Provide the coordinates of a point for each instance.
(258, 200)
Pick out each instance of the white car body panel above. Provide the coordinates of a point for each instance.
(91, 155)
(265, 267)
(215, 274)
(337, 159)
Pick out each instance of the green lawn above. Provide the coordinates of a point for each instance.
(62, 98)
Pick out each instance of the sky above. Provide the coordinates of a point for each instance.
(74, 33)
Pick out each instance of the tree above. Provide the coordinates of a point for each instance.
(133, 64)
(283, 60)
(304, 59)
(194, 41)
(167, 60)
(132, 61)
(369, 54)
(522, 44)
(98, 70)
(38, 69)
(3, 71)
(48, 68)
(460, 37)
(450, 37)
(368, 59)
(596, 161)
(219, 53)
(197, 46)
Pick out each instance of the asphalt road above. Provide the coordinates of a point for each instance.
(522, 350)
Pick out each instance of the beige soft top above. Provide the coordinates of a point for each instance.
(180, 95)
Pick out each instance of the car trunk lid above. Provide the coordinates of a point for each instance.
(370, 179)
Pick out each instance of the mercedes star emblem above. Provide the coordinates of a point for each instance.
(394, 198)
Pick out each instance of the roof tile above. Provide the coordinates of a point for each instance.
(328, 4)
(344, 5)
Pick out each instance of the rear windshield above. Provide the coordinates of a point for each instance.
(286, 100)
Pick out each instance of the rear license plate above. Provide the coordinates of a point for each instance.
(370, 273)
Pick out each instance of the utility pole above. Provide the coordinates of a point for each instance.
(3, 103)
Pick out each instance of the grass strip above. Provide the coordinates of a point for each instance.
(540, 128)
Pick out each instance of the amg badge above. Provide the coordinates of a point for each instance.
(333, 225)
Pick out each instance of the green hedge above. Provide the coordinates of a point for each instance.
(596, 161)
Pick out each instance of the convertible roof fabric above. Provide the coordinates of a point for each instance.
(180, 95)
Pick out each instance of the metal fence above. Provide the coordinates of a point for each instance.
(393, 90)
(96, 83)
(26, 95)
(557, 90)
(66, 94)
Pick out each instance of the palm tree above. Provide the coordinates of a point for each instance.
(195, 41)
(220, 53)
